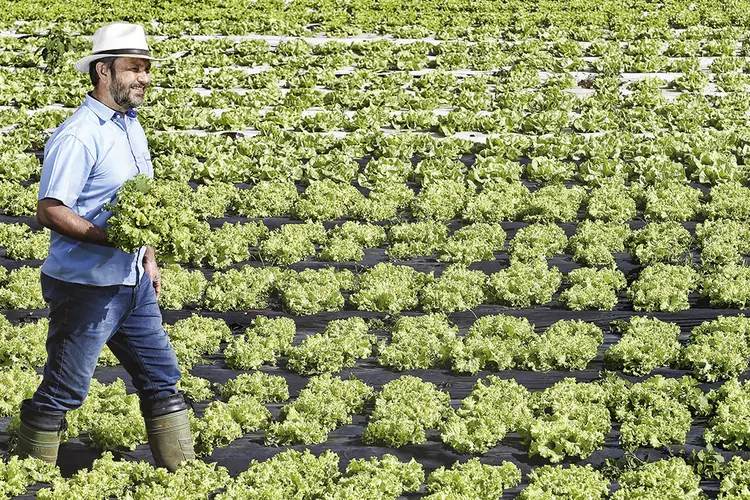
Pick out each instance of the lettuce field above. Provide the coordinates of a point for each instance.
(439, 249)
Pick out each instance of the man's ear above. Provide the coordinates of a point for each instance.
(102, 70)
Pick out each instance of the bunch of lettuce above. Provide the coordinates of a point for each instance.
(239, 289)
(722, 241)
(565, 345)
(377, 479)
(17, 474)
(158, 213)
(727, 426)
(718, 349)
(343, 342)
(663, 287)
(197, 336)
(473, 243)
(570, 419)
(347, 242)
(440, 200)
(611, 203)
(525, 284)
(17, 200)
(262, 386)
(289, 474)
(595, 241)
(667, 478)
(326, 200)
(728, 286)
(404, 409)
(266, 199)
(21, 243)
(23, 345)
(472, 480)
(671, 201)
(416, 239)
(226, 245)
(730, 200)
(388, 288)
(312, 291)
(180, 287)
(492, 409)
(385, 169)
(111, 417)
(546, 170)
(323, 405)
(497, 342)
(18, 383)
(655, 413)
(195, 388)
(108, 478)
(735, 479)
(554, 203)
(21, 288)
(223, 422)
(457, 289)
(418, 342)
(660, 242)
(537, 241)
(385, 202)
(497, 202)
(579, 482)
(262, 343)
(489, 169)
(646, 343)
(291, 243)
(593, 289)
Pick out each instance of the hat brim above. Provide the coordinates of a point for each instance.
(82, 64)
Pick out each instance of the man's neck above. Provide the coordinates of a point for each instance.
(106, 99)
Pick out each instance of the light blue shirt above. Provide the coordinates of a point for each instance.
(87, 159)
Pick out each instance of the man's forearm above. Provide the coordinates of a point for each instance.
(54, 215)
(149, 256)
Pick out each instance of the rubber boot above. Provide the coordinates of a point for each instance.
(39, 433)
(168, 429)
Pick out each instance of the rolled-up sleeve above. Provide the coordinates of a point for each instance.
(66, 169)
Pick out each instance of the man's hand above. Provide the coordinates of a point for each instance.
(149, 265)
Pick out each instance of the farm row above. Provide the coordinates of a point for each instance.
(294, 474)
(715, 350)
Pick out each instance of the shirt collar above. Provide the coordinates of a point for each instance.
(104, 112)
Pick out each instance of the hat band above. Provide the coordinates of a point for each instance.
(139, 52)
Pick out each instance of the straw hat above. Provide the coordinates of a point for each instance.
(117, 39)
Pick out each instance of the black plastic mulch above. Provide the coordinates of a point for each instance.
(345, 441)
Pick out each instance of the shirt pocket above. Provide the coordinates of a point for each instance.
(144, 164)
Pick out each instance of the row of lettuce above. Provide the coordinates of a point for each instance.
(715, 349)
(486, 20)
(393, 289)
(372, 160)
(652, 54)
(303, 475)
(391, 202)
(566, 103)
(594, 243)
(569, 419)
(331, 75)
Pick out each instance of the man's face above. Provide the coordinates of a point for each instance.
(129, 78)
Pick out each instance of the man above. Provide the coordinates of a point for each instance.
(98, 294)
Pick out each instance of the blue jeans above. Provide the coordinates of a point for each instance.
(82, 319)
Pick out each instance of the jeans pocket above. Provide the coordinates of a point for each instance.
(57, 302)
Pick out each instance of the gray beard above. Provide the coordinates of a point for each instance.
(121, 95)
